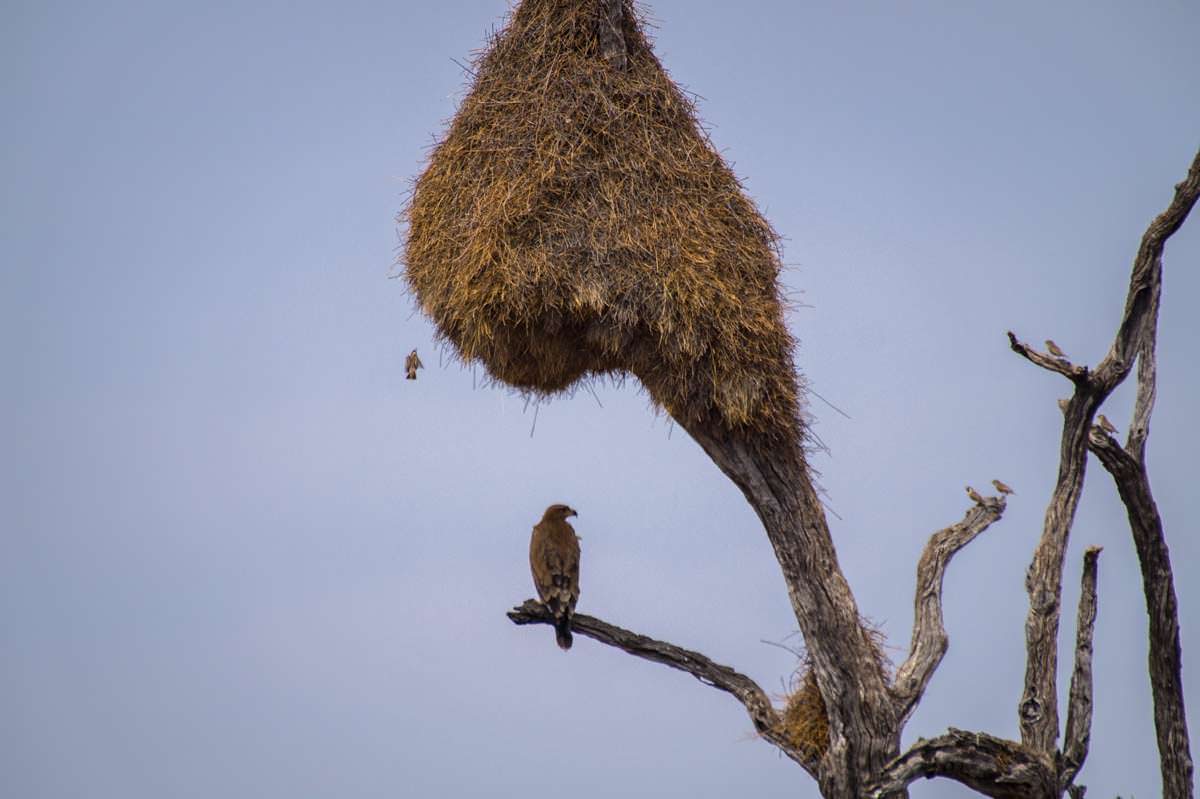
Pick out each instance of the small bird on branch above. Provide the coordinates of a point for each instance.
(1054, 349)
(411, 364)
(975, 496)
(1105, 425)
(1002, 487)
(554, 561)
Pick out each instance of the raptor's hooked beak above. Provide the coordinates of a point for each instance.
(573, 512)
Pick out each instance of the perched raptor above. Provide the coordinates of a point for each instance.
(554, 560)
(411, 364)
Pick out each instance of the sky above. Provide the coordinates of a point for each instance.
(241, 556)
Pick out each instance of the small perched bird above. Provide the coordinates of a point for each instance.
(1054, 349)
(411, 364)
(1002, 487)
(1105, 425)
(975, 496)
(554, 561)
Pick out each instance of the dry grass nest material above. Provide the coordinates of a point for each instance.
(804, 721)
(576, 222)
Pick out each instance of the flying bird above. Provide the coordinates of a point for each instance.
(411, 364)
(1002, 487)
(975, 496)
(1105, 425)
(1054, 349)
(554, 561)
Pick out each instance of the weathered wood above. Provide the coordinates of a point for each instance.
(929, 639)
(1162, 609)
(1038, 708)
(1079, 705)
(1138, 336)
(863, 719)
(1135, 336)
(992, 766)
(762, 714)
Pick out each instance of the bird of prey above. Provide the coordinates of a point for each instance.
(1002, 487)
(411, 364)
(1105, 425)
(1054, 349)
(975, 496)
(554, 561)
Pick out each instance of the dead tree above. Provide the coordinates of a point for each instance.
(781, 493)
(576, 222)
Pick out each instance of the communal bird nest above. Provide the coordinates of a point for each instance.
(576, 222)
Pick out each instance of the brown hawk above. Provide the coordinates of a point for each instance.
(554, 561)
(411, 364)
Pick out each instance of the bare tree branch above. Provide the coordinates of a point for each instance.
(1079, 708)
(992, 766)
(929, 639)
(1141, 304)
(1038, 713)
(1038, 709)
(1047, 361)
(762, 714)
(1158, 584)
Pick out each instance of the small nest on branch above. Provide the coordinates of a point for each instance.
(804, 720)
(576, 222)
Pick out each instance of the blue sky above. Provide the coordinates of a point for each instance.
(242, 556)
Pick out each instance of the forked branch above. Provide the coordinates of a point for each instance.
(762, 714)
(929, 639)
(1038, 713)
(992, 766)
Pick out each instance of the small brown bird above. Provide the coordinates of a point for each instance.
(1054, 349)
(554, 561)
(1002, 487)
(411, 364)
(975, 496)
(1105, 425)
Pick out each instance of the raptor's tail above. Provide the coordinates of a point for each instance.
(562, 633)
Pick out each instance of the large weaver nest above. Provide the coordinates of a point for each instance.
(576, 221)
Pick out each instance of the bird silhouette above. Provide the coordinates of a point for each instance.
(411, 364)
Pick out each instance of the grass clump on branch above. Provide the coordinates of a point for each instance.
(576, 222)
(804, 720)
